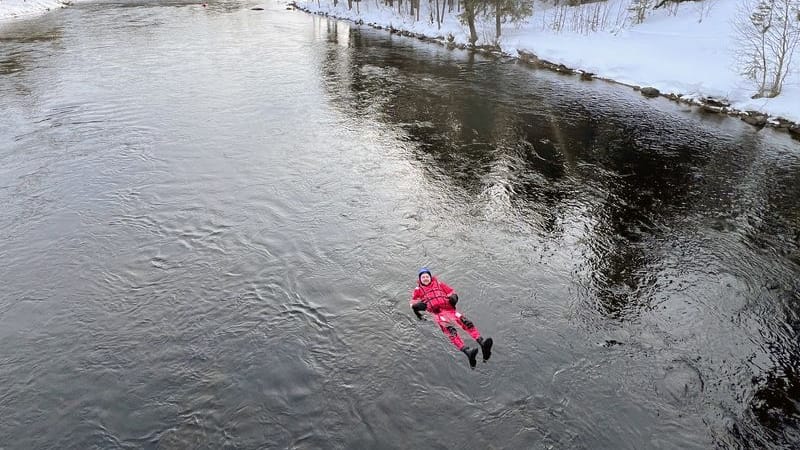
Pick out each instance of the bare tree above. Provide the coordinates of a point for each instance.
(639, 10)
(704, 8)
(768, 32)
(468, 16)
(674, 2)
(584, 16)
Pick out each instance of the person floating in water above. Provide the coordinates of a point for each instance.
(440, 300)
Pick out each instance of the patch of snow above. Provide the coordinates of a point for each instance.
(15, 9)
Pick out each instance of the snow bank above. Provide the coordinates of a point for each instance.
(13, 9)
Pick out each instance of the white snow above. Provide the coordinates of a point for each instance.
(688, 50)
(15, 9)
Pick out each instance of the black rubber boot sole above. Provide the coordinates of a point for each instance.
(472, 354)
(486, 349)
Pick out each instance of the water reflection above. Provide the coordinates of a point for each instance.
(19, 37)
(550, 173)
(776, 395)
(25, 32)
(653, 206)
(771, 227)
(14, 63)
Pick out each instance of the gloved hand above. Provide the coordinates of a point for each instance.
(417, 307)
(453, 299)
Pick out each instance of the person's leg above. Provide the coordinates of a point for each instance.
(466, 324)
(451, 332)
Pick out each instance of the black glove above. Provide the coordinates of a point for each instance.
(453, 299)
(419, 306)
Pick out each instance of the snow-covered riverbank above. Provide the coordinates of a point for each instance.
(16, 9)
(687, 49)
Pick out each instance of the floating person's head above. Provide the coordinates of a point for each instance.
(424, 276)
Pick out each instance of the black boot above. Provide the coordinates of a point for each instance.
(486, 347)
(471, 354)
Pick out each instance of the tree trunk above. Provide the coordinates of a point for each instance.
(469, 14)
(784, 49)
(763, 85)
(498, 14)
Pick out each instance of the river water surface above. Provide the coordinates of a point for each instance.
(212, 219)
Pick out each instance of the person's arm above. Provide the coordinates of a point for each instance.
(446, 289)
(452, 297)
(418, 308)
(416, 304)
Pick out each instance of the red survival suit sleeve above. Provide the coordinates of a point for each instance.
(447, 289)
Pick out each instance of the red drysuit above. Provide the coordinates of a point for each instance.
(435, 295)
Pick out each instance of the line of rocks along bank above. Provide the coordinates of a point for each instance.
(712, 105)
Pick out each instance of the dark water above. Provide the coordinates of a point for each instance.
(212, 219)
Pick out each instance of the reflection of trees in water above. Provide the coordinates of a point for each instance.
(775, 224)
(12, 63)
(648, 191)
(30, 35)
(774, 398)
(627, 186)
(775, 402)
(773, 229)
(19, 40)
(748, 196)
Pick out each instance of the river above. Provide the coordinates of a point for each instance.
(212, 219)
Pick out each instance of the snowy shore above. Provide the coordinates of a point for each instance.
(19, 9)
(687, 53)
